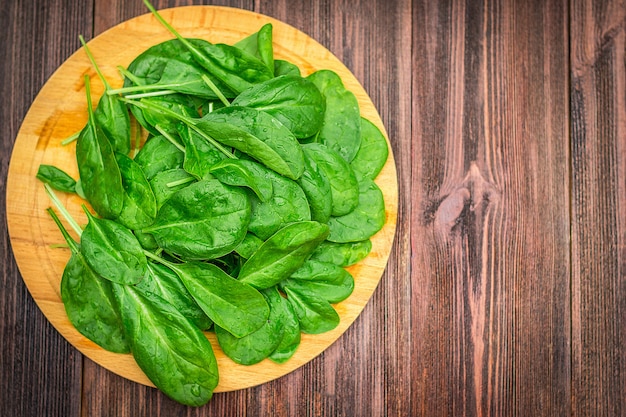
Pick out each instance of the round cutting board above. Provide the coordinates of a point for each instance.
(60, 110)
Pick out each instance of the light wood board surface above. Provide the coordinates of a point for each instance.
(60, 110)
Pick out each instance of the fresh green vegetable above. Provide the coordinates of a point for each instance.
(342, 254)
(173, 353)
(344, 188)
(112, 251)
(314, 313)
(88, 300)
(204, 220)
(56, 178)
(248, 190)
(140, 206)
(111, 114)
(162, 281)
(99, 173)
(372, 153)
(258, 345)
(364, 221)
(294, 101)
(282, 254)
(341, 129)
(326, 280)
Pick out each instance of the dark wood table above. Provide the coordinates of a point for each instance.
(505, 293)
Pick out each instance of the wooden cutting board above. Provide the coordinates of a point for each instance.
(60, 110)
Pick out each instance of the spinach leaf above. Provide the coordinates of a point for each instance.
(204, 220)
(140, 207)
(291, 332)
(259, 45)
(257, 134)
(282, 254)
(282, 67)
(342, 254)
(235, 68)
(200, 155)
(99, 174)
(173, 353)
(372, 154)
(288, 204)
(56, 178)
(111, 114)
(258, 345)
(231, 304)
(315, 314)
(316, 187)
(112, 251)
(244, 173)
(341, 129)
(326, 280)
(161, 281)
(162, 115)
(88, 300)
(364, 221)
(344, 188)
(170, 66)
(166, 183)
(295, 101)
(248, 246)
(159, 154)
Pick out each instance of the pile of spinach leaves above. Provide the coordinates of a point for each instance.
(238, 215)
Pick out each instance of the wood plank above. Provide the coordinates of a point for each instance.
(40, 372)
(490, 214)
(367, 371)
(598, 85)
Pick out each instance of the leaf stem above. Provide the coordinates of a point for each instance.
(63, 210)
(151, 94)
(169, 137)
(180, 182)
(215, 90)
(70, 241)
(93, 62)
(70, 139)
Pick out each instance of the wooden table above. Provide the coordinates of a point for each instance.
(505, 292)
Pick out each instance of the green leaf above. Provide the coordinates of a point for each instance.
(315, 314)
(140, 207)
(88, 300)
(258, 345)
(288, 204)
(344, 187)
(173, 353)
(326, 280)
(163, 282)
(99, 173)
(112, 251)
(244, 173)
(231, 304)
(159, 154)
(342, 254)
(364, 221)
(372, 154)
(341, 129)
(56, 178)
(295, 101)
(282, 254)
(204, 220)
(258, 135)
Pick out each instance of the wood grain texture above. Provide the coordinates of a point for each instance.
(32, 354)
(505, 293)
(490, 209)
(598, 101)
